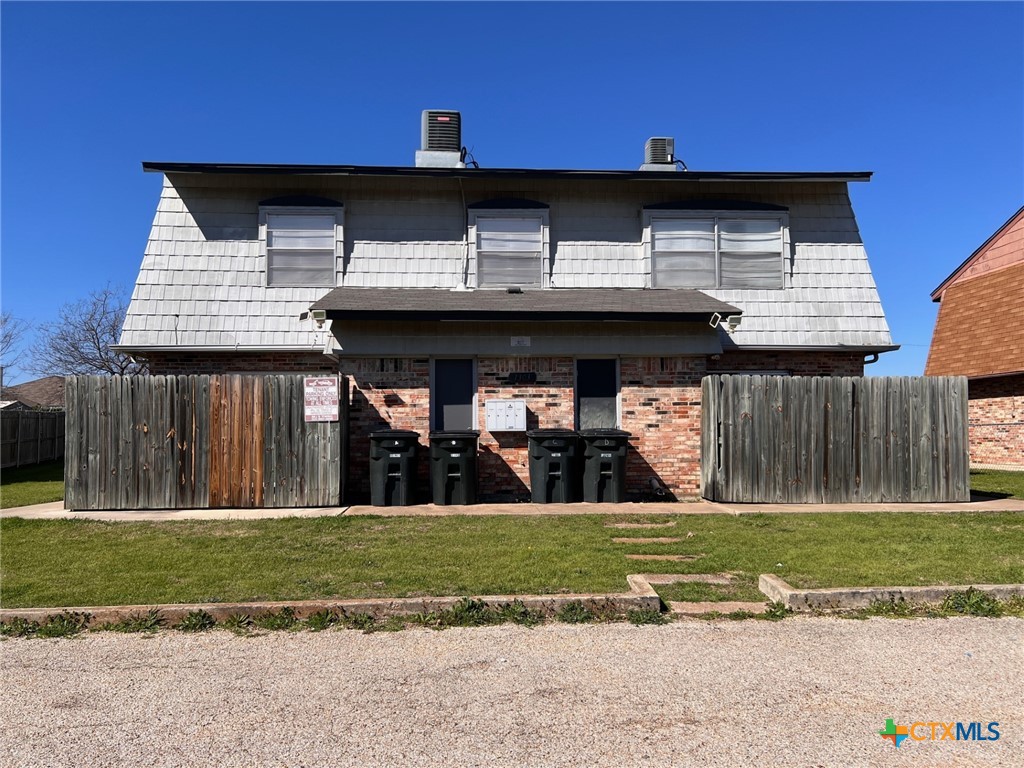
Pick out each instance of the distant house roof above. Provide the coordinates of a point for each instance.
(552, 304)
(47, 392)
(980, 328)
(1003, 248)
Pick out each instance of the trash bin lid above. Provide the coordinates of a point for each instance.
(556, 432)
(449, 434)
(605, 433)
(394, 434)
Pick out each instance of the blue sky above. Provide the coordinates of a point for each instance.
(929, 96)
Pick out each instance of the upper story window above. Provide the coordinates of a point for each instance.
(510, 244)
(301, 244)
(717, 249)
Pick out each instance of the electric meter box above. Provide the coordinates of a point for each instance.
(505, 415)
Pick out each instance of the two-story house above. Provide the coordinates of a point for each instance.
(601, 298)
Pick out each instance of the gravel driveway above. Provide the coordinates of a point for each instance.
(803, 692)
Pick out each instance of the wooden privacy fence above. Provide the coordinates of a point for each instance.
(178, 442)
(780, 439)
(30, 437)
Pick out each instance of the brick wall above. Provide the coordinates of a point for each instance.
(794, 363)
(996, 421)
(659, 404)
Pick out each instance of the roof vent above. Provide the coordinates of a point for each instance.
(442, 130)
(659, 150)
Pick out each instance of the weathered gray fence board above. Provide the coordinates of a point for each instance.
(173, 442)
(834, 439)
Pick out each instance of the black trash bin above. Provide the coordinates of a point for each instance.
(393, 467)
(553, 472)
(604, 464)
(453, 466)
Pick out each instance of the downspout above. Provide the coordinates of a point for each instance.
(874, 359)
(465, 241)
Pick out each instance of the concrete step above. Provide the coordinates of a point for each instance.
(632, 540)
(662, 579)
(640, 525)
(669, 558)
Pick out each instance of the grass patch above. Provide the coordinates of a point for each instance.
(196, 621)
(87, 562)
(149, 622)
(998, 482)
(282, 619)
(37, 484)
(575, 612)
(647, 616)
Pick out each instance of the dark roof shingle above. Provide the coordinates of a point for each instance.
(551, 304)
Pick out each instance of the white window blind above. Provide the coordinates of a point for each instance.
(684, 253)
(301, 249)
(717, 252)
(509, 251)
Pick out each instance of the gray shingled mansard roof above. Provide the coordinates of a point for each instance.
(195, 292)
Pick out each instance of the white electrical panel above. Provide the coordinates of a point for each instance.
(505, 415)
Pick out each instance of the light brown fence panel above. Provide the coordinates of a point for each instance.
(769, 439)
(176, 442)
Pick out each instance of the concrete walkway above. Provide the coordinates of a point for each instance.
(55, 510)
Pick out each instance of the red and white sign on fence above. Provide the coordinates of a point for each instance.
(321, 396)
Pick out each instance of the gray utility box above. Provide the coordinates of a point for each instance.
(453, 466)
(553, 466)
(604, 464)
(393, 467)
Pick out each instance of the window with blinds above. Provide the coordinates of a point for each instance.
(717, 251)
(509, 251)
(301, 248)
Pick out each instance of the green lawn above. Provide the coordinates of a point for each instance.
(80, 562)
(37, 484)
(998, 482)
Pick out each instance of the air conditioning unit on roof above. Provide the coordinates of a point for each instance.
(442, 131)
(659, 150)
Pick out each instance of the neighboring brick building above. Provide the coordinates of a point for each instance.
(601, 298)
(979, 334)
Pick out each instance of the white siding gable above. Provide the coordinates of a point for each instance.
(202, 283)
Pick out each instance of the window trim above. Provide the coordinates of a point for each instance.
(432, 405)
(265, 211)
(652, 215)
(575, 387)
(540, 214)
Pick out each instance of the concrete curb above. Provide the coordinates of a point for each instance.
(850, 598)
(640, 597)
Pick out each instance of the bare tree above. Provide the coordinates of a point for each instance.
(80, 340)
(12, 330)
